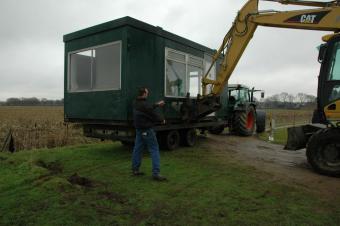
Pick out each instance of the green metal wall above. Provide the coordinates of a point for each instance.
(99, 105)
(143, 64)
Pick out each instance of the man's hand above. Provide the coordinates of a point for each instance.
(160, 103)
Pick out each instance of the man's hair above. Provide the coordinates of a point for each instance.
(141, 91)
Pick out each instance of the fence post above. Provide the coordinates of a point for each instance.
(272, 128)
(9, 142)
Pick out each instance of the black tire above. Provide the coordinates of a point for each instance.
(217, 129)
(244, 122)
(188, 137)
(260, 121)
(323, 151)
(170, 140)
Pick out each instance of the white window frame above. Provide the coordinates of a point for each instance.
(187, 63)
(93, 48)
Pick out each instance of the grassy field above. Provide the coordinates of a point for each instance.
(92, 185)
(280, 136)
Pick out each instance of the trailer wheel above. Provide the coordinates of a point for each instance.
(260, 121)
(244, 122)
(323, 151)
(188, 137)
(170, 140)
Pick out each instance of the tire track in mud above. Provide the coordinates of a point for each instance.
(289, 167)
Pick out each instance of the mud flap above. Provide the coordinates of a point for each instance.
(298, 136)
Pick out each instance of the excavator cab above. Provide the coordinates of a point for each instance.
(329, 83)
(322, 137)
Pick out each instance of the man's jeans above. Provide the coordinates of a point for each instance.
(146, 138)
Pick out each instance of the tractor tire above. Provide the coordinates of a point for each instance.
(323, 151)
(188, 137)
(260, 121)
(244, 122)
(170, 140)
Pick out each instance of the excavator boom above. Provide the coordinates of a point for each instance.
(249, 17)
(305, 3)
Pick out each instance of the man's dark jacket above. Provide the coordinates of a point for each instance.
(144, 114)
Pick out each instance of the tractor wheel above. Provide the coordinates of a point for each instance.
(244, 122)
(260, 121)
(188, 137)
(217, 129)
(323, 151)
(170, 140)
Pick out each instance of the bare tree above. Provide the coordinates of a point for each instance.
(310, 98)
(290, 98)
(283, 97)
(301, 97)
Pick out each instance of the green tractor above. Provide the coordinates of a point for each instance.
(239, 111)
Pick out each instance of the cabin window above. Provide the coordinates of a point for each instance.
(334, 73)
(95, 69)
(195, 73)
(335, 94)
(183, 74)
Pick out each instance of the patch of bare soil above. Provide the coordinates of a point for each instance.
(78, 180)
(54, 167)
(114, 197)
(290, 167)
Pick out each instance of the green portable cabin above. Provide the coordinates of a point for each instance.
(107, 63)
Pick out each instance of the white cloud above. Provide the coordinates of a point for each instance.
(32, 48)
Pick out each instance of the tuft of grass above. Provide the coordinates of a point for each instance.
(203, 189)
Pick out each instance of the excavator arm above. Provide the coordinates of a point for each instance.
(326, 17)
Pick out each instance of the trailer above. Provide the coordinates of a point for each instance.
(107, 63)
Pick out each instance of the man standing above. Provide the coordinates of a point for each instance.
(145, 118)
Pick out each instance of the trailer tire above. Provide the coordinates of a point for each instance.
(260, 121)
(170, 140)
(188, 137)
(323, 151)
(244, 122)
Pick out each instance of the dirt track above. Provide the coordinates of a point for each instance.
(289, 167)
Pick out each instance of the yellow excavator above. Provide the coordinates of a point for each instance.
(322, 137)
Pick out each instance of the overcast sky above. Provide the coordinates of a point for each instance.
(31, 56)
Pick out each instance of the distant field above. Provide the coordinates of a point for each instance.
(284, 117)
(43, 127)
(38, 127)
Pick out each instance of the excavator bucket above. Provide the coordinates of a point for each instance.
(298, 136)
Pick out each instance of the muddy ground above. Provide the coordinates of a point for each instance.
(289, 167)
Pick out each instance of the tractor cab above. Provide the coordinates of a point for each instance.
(240, 96)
